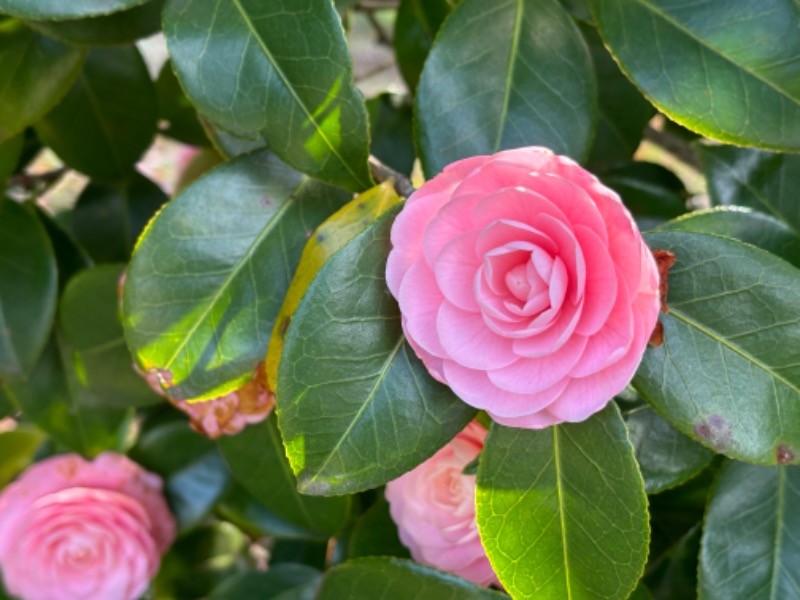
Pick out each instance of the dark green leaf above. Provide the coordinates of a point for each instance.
(228, 145)
(501, 75)
(278, 582)
(180, 115)
(89, 316)
(51, 399)
(280, 68)
(562, 511)
(108, 118)
(7, 407)
(397, 579)
(751, 535)
(70, 257)
(208, 277)
(666, 457)
(357, 408)
(623, 112)
(10, 152)
(121, 27)
(28, 287)
(725, 375)
(257, 460)
(392, 132)
(689, 60)
(743, 224)
(675, 573)
(17, 449)
(194, 473)
(416, 25)
(651, 192)
(35, 73)
(579, 9)
(59, 9)
(108, 218)
(375, 534)
(761, 180)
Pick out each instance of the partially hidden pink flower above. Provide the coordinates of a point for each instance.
(73, 529)
(433, 506)
(524, 285)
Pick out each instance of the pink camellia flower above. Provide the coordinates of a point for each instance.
(524, 285)
(74, 529)
(433, 506)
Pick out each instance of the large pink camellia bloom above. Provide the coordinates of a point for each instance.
(524, 285)
(433, 506)
(72, 529)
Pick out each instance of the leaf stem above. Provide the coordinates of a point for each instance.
(381, 172)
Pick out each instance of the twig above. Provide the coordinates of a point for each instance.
(674, 145)
(31, 183)
(402, 184)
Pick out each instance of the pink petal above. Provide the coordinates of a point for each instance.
(420, 300)
(492, 305)
(431, 362)
(498, 262)
(510, 235)
(490, 177)
(537, 420)
(559, 282)
(550, 335)
(453, 220)
(516, 204)
(568, 250)
(600, 292)
(455, 270)
(468, 341)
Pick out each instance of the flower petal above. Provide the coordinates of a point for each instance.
(462, 332)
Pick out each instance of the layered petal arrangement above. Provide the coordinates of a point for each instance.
(434, 509)
(525, 285)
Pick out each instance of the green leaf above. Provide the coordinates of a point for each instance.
(579, 9)
(764, 181)
(174, 108)
(74, 417)
(278, 582)
(7, 407)
(28, 288)
(674, 575)
(725, 374)
(390, 122)
(122, 27)
(10, 153)
(257, 460)
(502, 75)
(35, 73)
(745, 225)
(330, 237)
(415, 27)
(689, 60)
(17, 450)
(751, 535)
(282, 69)
(89, 316)
(623, 112)
(108, 118)
(58, 9)
(230, 146)
(194, 473)
(374, 533)
(108, 218)
(562, 511)
(651, 192)
(666, 457)
(204, 323)
(396, 579)
(70, 257)
(357, 408)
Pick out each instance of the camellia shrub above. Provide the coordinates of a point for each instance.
(397, 299)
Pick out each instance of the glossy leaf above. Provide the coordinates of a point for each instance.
(751, 535)
(35, 73)
(279, 582)
(177, 115)
(623, 112)
(651, 192)
(28, 288)
(764, 181)
(17, 449)
(228, 145)
(689, 60)
(58, 9)
(89, 316)
(7, 407)
(330, 237)
(108, 218)
(415, 27)
(357, 408)
(396, 579)
(122, 27)
(666, 457)
(257, 460)
(562, 511)
(390, 123)
(69, 414)
(374, 533)
(108, 118)
(70, 257)
(280, 68)
(204, 324)
(194, 473)
(725, 375)
(743, 224)
(482, 87)
(674, 575)
(10, 152)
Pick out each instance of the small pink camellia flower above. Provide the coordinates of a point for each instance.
(524, 285)
(73, 529)
(434, 509)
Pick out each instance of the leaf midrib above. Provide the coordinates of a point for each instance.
(719, 52)
(279, 72)
(512, 60)
(560, 496)
(776, 565)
